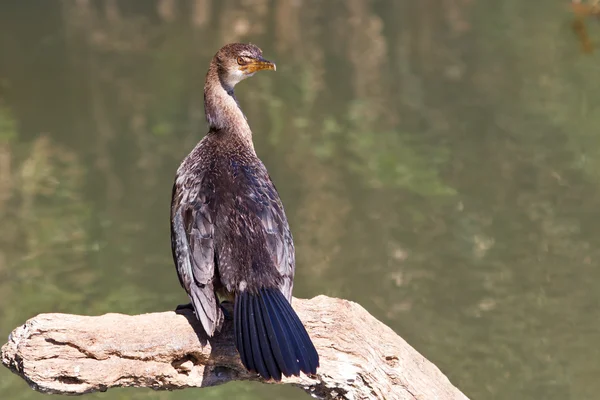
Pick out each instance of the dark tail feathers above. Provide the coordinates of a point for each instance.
(270, 337)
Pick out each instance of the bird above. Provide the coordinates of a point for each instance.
(230, 238)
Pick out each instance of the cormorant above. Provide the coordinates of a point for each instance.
(229, 234)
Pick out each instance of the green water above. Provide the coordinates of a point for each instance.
(438, 161)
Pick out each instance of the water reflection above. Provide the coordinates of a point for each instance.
(438, 163)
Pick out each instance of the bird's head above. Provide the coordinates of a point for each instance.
(238, 61)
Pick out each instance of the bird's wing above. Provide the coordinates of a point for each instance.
(192, 237)
(264, 201)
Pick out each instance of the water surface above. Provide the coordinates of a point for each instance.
(438, 162)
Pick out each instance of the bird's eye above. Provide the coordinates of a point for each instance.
(241, 60)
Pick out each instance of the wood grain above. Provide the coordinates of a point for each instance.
(361, 358)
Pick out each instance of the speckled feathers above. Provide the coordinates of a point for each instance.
(229, 233)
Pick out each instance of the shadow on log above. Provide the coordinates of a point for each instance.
(361, 358)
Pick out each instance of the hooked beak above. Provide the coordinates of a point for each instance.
(258, 65)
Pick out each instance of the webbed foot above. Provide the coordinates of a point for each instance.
(227, 308)
(187, 306)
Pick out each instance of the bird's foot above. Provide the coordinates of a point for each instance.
(227, 308)
(187, 306)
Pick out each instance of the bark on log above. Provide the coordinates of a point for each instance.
(361, 358)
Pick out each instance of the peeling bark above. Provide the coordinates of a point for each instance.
(361, 358)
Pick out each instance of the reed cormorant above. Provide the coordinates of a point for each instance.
(229, 234)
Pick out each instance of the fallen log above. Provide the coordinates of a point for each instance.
(361, 358)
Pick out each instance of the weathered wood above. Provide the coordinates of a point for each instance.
(361, 358)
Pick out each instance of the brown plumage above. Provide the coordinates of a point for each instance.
(229, 233)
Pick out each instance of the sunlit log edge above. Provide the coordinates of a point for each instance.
(361, 358)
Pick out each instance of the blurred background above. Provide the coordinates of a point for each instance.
(438, 161)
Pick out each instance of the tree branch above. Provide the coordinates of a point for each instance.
(361, 358)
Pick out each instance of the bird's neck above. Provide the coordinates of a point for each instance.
(222, 110)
